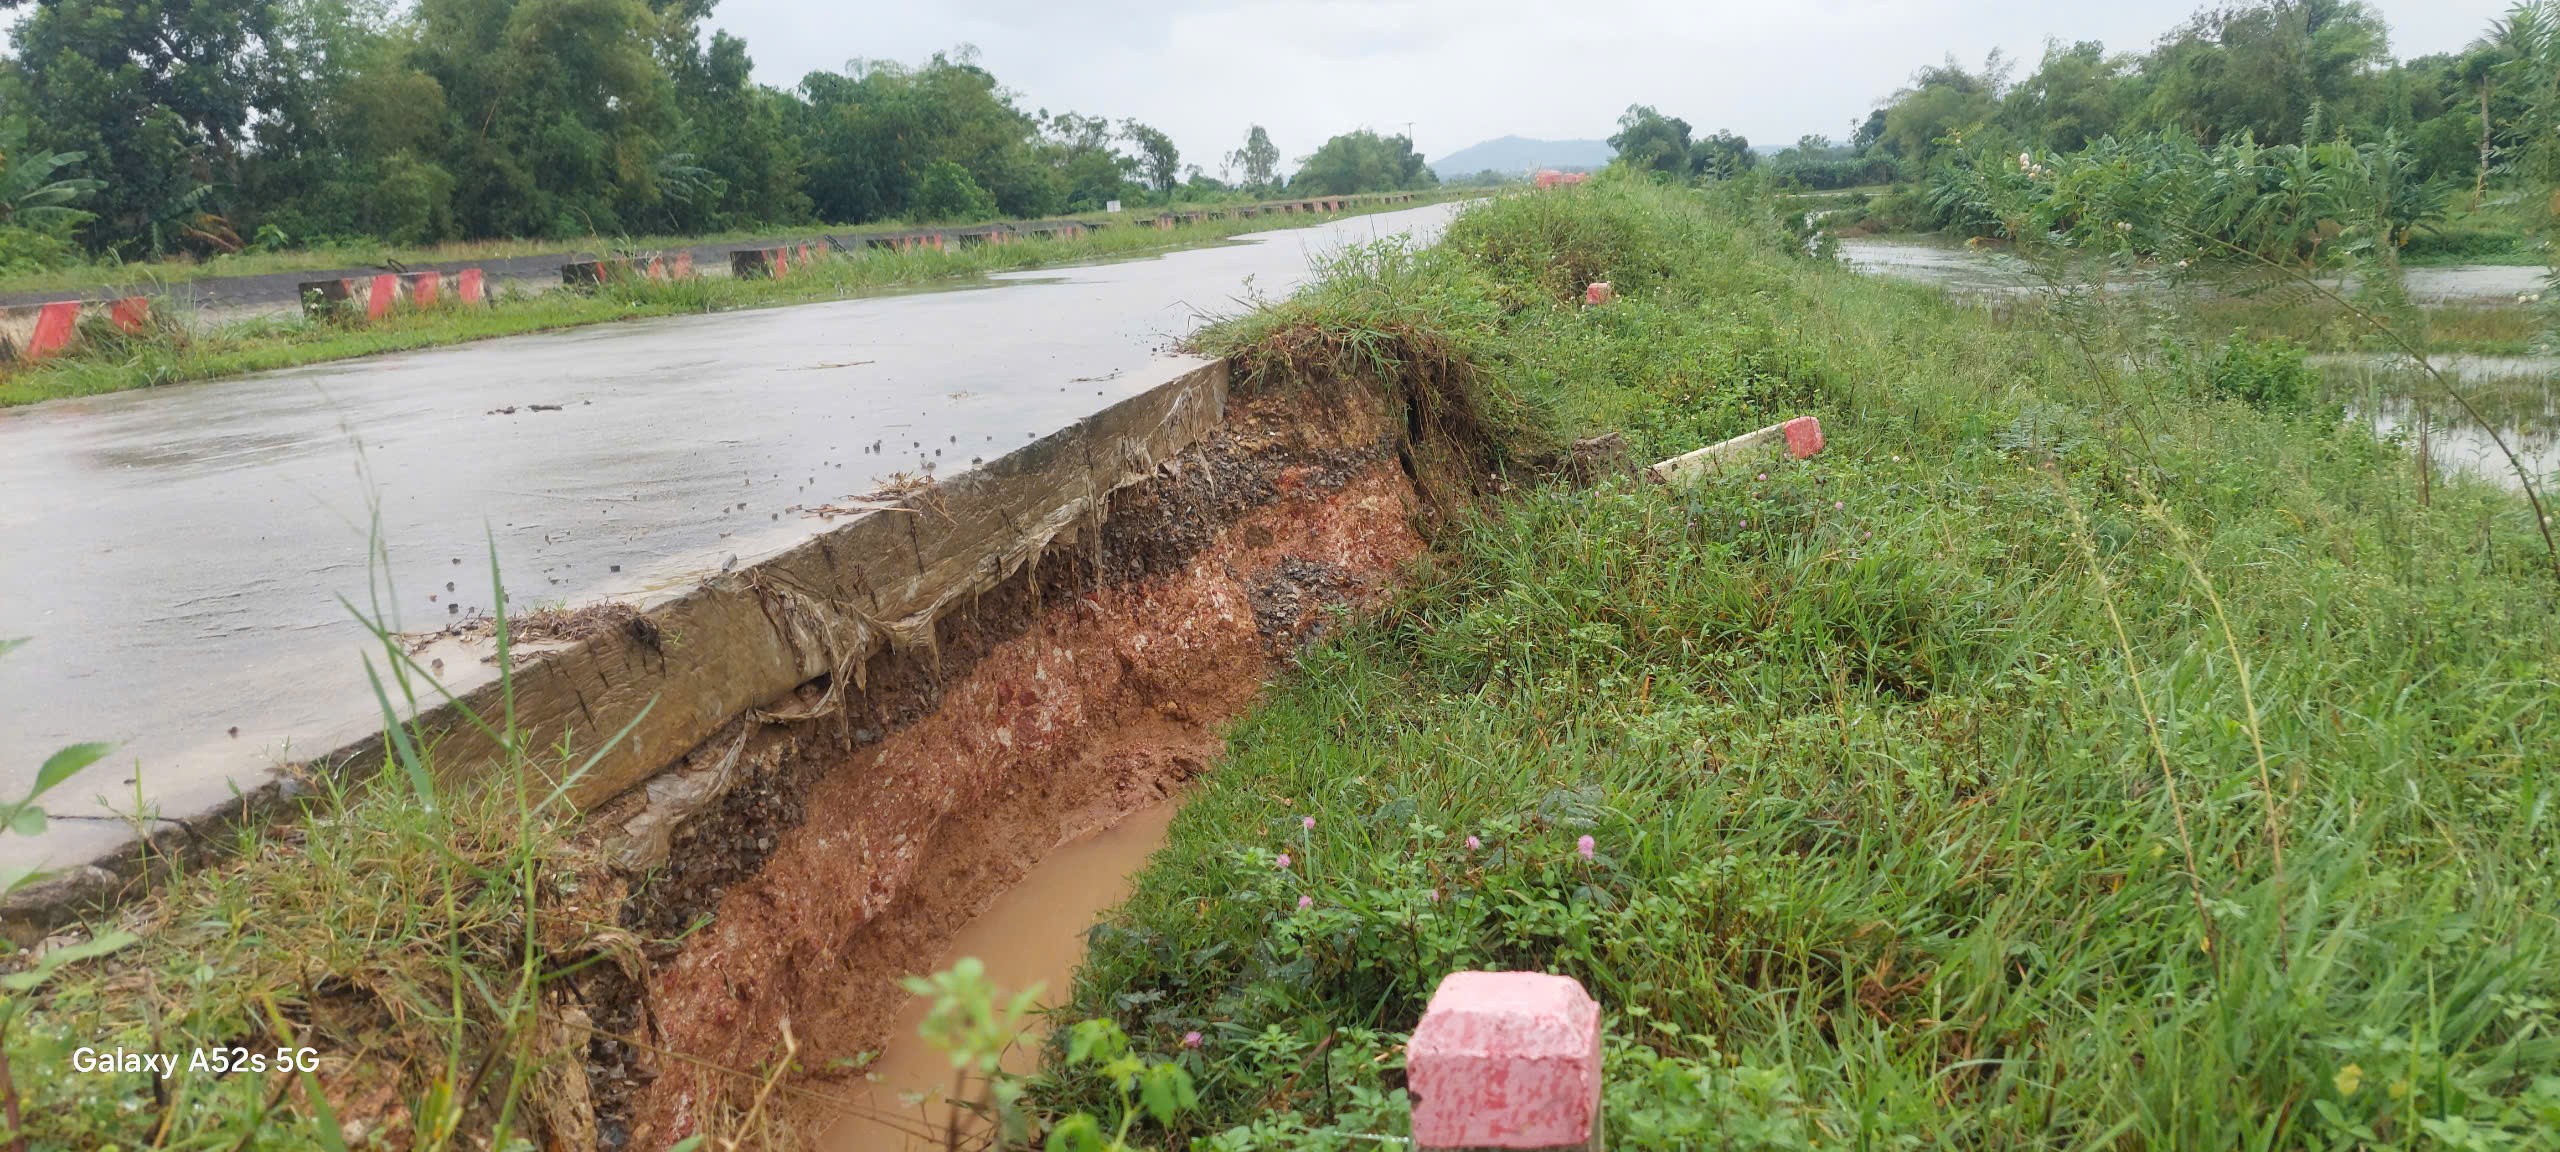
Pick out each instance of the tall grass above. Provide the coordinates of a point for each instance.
(2035, 768)
(395, 952)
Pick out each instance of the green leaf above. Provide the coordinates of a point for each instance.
(27, 821)
(60, 766)
(95, 946)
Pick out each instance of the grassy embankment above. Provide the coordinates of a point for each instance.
(2069, 757)
(172, 353)
(1907, 827)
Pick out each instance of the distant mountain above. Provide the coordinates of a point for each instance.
(1515, 154)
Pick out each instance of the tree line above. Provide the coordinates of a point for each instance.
(2264, 73)
(142, 128)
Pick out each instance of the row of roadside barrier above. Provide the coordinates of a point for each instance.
(378, 296)
(35, 331)
(374, 297)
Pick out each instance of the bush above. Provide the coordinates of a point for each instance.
(2269, 375)
(947, 192)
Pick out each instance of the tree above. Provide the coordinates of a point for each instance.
(2077, 94)
(1940, 103)
(2264, 68)
(947, 192)
(1722, 156)
(1159, 162)
(161, 100)
(1648, 141)
(1362, 161)
(1258, 160)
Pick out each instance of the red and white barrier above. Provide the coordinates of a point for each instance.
(35, 331)
(1506, 1060)
(383, 293)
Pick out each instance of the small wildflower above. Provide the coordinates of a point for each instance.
(1306, 902)
(1307, 822)
(1742, 523)
(1763, 476)
(1584, 846)
(1839, 505)
(1473, 843)
(1433, 896)
(1866, 535)
(1282, 862)
(1897, 459)
(1191, 1040)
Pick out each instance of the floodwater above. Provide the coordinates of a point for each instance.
(175, 557)
(2515, 395)
(1993, 271)
(1034, 934)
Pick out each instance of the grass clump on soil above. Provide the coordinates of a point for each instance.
(2073, 755)
(391, 961)
(174, 352)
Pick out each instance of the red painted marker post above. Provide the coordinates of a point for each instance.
(1506, 1060)
(1804, 436)
(1599, 293)
(469, 287)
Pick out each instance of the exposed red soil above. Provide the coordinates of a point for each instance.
(1102, 706)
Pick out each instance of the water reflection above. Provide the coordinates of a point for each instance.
(2515, 395)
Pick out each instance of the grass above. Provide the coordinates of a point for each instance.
(2071, 756)
(172, 353)
(395, 956)
(1934, 788)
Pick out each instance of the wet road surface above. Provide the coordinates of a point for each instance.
(174, 557)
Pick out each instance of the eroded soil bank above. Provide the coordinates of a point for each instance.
(862, 827)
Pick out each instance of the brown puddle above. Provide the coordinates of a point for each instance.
(1034, 934)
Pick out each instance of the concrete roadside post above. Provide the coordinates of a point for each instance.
(1801, 438)
(1507, 1060)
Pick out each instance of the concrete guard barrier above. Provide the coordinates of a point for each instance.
(659, 266)
(876, 580)
(379, 295)
(1506, 1060)
(34, 331)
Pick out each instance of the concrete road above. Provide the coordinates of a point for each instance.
(175, 557)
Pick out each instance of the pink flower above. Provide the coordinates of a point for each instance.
(1433, 896)
(1306, 902)
(1473, 843)
(1307, 822)
(1742, 523)
(1282, 862)
(1191, 1040)
(1764, 476)
(1839, 505)
(1584, 846)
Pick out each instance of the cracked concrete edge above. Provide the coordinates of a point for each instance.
(741, 640)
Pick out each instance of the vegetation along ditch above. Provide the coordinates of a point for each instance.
(2101, 743)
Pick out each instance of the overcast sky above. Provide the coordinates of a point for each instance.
(1464, 71)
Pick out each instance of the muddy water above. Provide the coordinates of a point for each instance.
(2515, 395)
(1032, 936)
(1992, 271)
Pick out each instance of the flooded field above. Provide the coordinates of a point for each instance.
(1992, 270)
(2514, 395)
